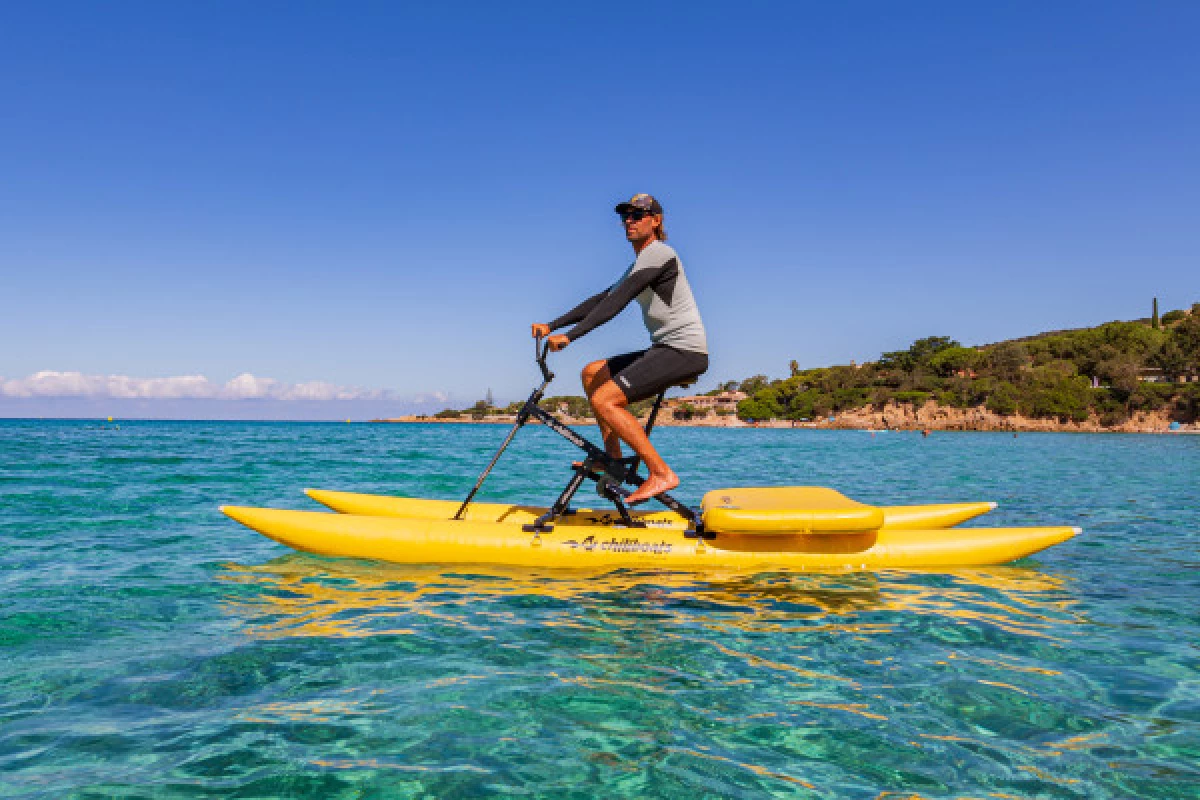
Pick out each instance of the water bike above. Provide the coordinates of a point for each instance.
(754, 528)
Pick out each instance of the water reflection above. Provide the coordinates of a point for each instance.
(300, 595)
(768, 678)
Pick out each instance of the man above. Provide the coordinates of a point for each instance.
(678, 351)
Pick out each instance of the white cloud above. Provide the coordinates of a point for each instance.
(49, 383)
(320, 390)
(248, 387)
(181, 387)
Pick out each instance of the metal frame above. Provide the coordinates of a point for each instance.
(610, 474)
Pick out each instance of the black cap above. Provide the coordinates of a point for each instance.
(642, 201)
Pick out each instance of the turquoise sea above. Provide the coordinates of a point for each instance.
(153, 648)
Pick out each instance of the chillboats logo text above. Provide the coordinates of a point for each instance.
(615, 545)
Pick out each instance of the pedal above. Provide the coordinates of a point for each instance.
(606, 486)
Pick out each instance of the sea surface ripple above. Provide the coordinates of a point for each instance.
(155, 649)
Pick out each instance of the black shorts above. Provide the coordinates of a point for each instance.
(647, 372)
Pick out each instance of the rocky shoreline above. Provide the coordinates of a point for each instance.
(929, 417)
(933, 417)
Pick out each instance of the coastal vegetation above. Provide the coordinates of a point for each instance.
(1105, 373)
(1109, 371)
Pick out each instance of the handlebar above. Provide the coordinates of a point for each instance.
(541, 347)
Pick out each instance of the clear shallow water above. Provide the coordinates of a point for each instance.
(154, 648)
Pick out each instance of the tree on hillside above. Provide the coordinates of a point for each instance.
(924, 349)
(1007, 359)
(1119, 373)
(1067, 398)
(896, 359)
(918, 354)
(754, 384)
(1172, 360)
(1154, 323)
(1184, 339)
(760, 406)
(1090, 347)
(950, 360)
(1003, 399)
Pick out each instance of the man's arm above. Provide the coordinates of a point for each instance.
(578, 312)
(610, 303)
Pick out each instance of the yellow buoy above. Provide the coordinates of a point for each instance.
(110, 419)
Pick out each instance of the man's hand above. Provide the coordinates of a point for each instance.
(558, 341)
(540, 329)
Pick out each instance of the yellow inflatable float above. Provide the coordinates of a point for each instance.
(760, 529)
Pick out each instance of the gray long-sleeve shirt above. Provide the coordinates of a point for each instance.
(656, 281)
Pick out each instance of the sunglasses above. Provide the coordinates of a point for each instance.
(636, 214)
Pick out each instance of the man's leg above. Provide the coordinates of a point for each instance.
(594, 376)
(609, 403)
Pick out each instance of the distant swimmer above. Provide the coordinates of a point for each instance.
(678, 352)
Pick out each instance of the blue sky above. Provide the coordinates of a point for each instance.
(372, 201)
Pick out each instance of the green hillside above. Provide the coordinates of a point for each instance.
(1111, 370)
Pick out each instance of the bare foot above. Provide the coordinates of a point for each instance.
(654, 485)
